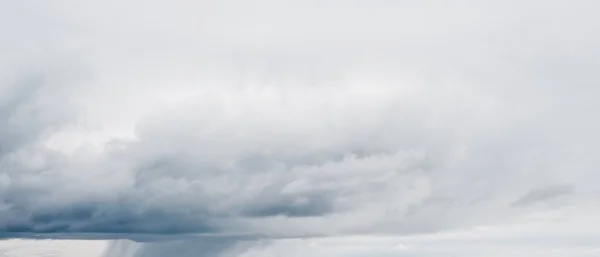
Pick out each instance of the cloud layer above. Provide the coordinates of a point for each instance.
(299, 118)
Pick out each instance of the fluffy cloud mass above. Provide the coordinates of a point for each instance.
(295, 118)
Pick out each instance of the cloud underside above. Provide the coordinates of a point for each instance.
(167, 119)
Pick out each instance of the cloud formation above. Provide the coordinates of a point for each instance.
(292, 119)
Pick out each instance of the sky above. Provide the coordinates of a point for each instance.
(344, 128)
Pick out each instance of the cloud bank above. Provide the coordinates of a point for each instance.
(297, 118)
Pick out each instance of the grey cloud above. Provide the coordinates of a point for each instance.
(544, 194)
(225, 247)
(224, 121)
(25, 116)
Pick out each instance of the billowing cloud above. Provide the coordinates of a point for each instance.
(123, 119)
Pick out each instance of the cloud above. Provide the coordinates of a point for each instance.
(204, 247)
(310, 118)
(521, 240)
(544, 194)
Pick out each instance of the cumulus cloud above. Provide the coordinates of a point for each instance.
(296, 118)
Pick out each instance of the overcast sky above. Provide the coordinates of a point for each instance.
(367, 122)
